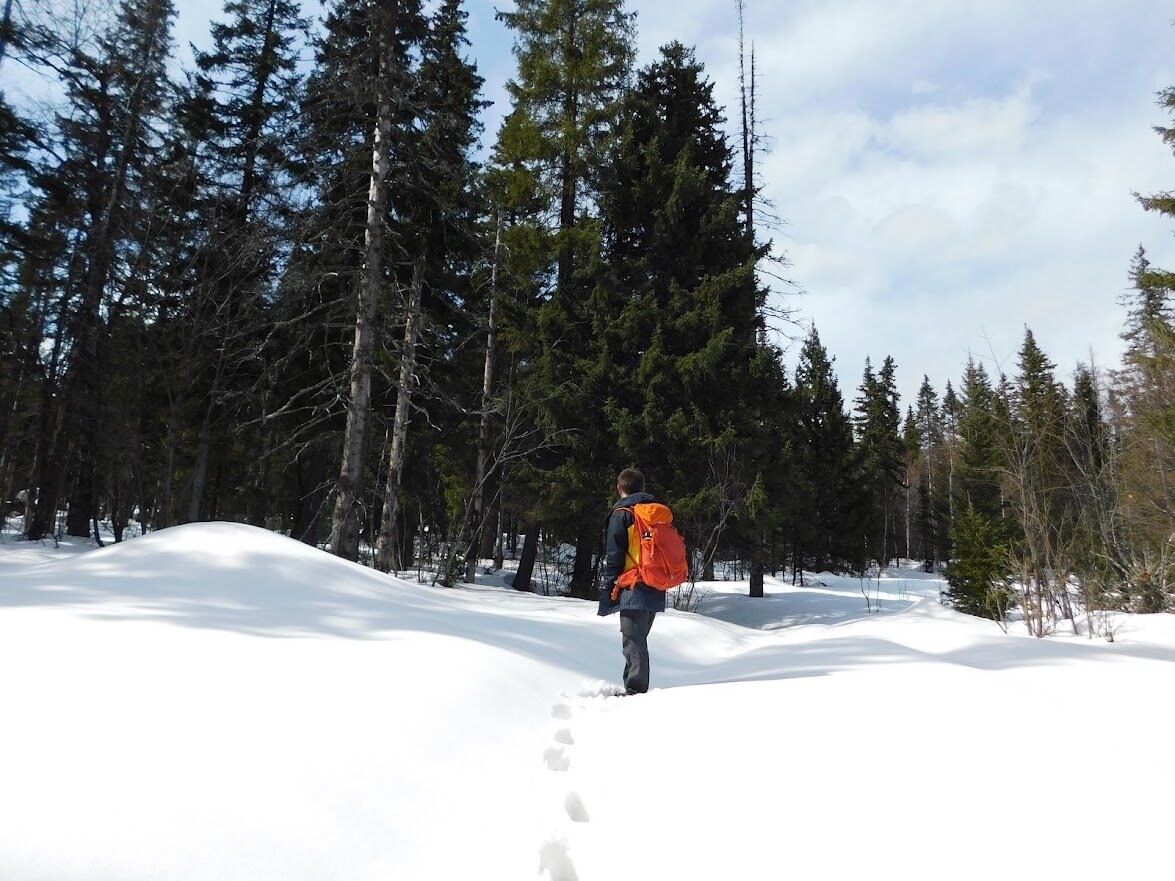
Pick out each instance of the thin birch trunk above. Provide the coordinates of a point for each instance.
(387, 531)
(477, 503)
(344, 535)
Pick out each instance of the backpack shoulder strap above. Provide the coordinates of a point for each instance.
(631, 509)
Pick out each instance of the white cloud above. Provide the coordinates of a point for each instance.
(937, 205)
(974, 129)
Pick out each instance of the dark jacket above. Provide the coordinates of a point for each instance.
(639, 596)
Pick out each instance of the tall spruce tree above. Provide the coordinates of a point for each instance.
(878, 426)
(1092, 495)
(913, 489)
(361, 141)
(1037, 473)
(980, 465)
(242, 93)
(437, 217)
(979, 567)
(20, 341)
(574, 63)
(393, 30)
(1145, 400)
(1148, 388)
(952, 409)
(309, 356)
(677, 309)
(826, 535)
(931, 513)
(115, 97)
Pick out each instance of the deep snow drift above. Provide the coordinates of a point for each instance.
(218, 702)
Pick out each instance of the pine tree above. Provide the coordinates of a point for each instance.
(242, 92)
(827, 494)
(978, 574)
(978, 480)
(912, 461)
(1093, 497)
(439, 227)
(19, 314)
(574, 60)
(1147, 389)
(979, 569)
(115, 97)
(880, 444)
(1145, 398)
(309, 356)
(361, 144)
(930, 439)
(1036, 469)
(952, 409)
(677, 311)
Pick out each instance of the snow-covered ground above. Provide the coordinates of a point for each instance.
(218, 702)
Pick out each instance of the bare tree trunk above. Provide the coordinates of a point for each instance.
(931, 517)
(756, 575)
(344, 536)
(530, 551)
(200, 472)
(582, 582)
(499, 552)
(162, 512)
(204, 448)
(41, 506)
(391, 506)
(909, 512)
(746, 103)
(490, 538)
(477, 504)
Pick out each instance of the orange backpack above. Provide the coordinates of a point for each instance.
(655, 549)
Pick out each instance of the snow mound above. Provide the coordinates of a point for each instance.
(222, 576)
(155, 726)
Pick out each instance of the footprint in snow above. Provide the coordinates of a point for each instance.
(601, 688)
(556, 758)
(574, 806)
(555, 862)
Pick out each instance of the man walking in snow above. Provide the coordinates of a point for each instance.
(639, 604)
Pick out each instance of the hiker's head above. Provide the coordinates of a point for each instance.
(630, 481)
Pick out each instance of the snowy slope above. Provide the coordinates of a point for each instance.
(217, 702)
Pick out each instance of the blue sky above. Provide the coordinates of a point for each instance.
(948, 172)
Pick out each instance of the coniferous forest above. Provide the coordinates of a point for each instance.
(298, 286)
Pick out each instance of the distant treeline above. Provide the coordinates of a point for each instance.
(281, 288)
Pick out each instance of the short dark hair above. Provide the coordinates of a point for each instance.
(630, 481)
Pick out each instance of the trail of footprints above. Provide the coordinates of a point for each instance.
(555, 862)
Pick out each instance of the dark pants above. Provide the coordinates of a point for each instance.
(635, 625)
